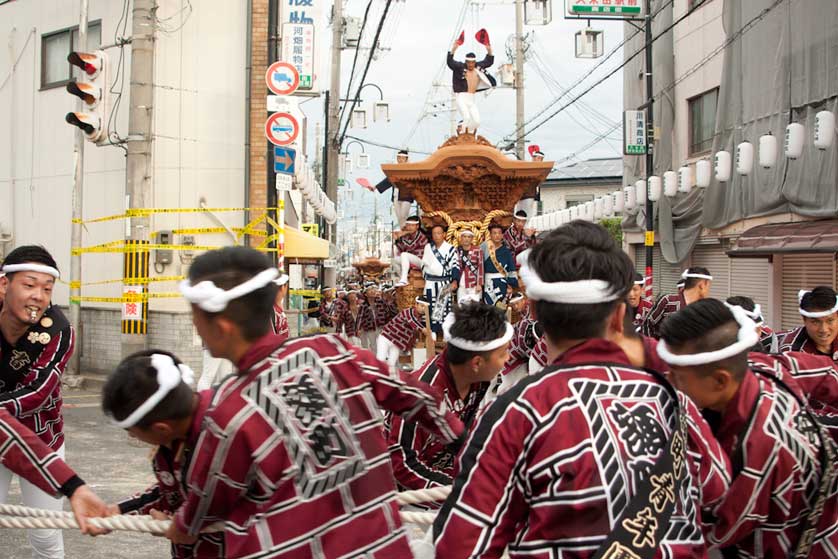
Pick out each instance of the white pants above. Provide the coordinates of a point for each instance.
(468, 110)
(46, 544)
(528, 205)
(213, 371)
(387, 351)
(402, 209)
(406, 260)
(368, 339)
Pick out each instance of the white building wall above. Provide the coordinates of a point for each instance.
(557, 198)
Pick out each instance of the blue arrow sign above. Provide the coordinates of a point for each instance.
(284, 160)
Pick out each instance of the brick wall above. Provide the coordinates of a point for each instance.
(258, 105)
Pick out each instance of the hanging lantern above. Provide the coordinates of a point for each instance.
(722, 166)
(654, 188)
(745, 158)
(589, 43)
(670, 184)
(608, 205)
(363, 161)
(619, 201)
(381, 111)
(640, 192)
(794, 140)
(359, 118)
(824, 129)
(598, 209)
(538, 12)
(631, 198)
(702, 174)
(767, 151)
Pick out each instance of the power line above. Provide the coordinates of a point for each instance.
(385, 146)
(355, 58)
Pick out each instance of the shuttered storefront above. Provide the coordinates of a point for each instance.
(803, 271)
(713, 258)
(665, 275)
(751, 277)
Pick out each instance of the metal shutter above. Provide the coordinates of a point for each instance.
(803, 271)
(713, 258)
(750, 277)
(666, 275)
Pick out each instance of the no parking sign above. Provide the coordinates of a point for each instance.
(282, 129)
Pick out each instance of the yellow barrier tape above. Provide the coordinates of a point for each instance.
(269, 240)
(251, 227)
(126, 281)
(211, 230)
(138, 298)
(145, 212)
(145, 248)
(309, 293)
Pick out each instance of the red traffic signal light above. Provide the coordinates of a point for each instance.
(87, 92)
(90, 63)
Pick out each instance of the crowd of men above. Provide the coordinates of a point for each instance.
(590, 427)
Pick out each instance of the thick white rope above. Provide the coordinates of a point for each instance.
(430, 495)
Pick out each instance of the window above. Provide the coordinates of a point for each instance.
(55, 46)
(703, 121)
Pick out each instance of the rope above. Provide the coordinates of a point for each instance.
(479, 228)
(429, 495)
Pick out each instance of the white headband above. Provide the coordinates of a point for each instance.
(281, 280)
(686, 274)
(470, 345)
(746, 339)
(755, 315)
(169, 376)
(809, 314)
(590, 291)
(212, 298)
(30, 267)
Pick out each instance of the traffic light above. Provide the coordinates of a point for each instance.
(92, 89)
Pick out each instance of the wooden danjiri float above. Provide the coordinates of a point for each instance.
(467, 183)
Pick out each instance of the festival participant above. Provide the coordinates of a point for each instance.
(36, 342)
(518, 237)
(539, 356)
(634, 299)
(442, 273)
(477, 345)
(819, 333)
(527, 203)
(388, 297)
(592, 457)
(471, 269)
(498, 266)
(149, 395)
(411, 246)
(527, 334)
(696, 287)
(783, 500)
(279, 322)
(327, 309)
(469, 77)
(400, 334)
(403, 202)
(292, 455)
(768, 341)
(352, 318)
(374, 315)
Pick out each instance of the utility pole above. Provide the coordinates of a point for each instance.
(519, 78)
(78, 207)
(138, 166)
(333, 132)
(650, 151)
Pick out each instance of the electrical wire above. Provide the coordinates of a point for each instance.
(380, 145)
(19, 56)
(355, 58)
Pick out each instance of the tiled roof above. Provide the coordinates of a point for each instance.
(589, 169)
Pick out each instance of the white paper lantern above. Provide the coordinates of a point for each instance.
(824, 129)
(640, 192)
(574, 213)
(722, 166)
(631, 198)
(794, 140)
(565, 216)
(670, 184)
(702, 174)
(598, 209)
(589, 210)
(745, 158)
(608, 205)
(654, 188)
(767, 151)
(619, 201)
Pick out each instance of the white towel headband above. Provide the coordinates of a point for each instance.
(747, 338)
(686, 274)
(169, 376)
(30, 267)
(809, 314)
(212, 298)
(589, 291)
(470, 345)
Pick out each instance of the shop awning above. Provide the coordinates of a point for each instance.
(303, 248)
(783, 238)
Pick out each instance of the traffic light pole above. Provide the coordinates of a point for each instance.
(74, 367)
(650, 150)
(333, 127)
(519, 78)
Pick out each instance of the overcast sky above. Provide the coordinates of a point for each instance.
(418, 35)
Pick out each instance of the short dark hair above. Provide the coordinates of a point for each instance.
(471, 55)
(133, 381)
(742, 301)
(821, 298)
(706, 325)
(29, 253)
(495, 226)
(629, 329)
(578, 251)
(689, 283)
(476, 322)
(435, 225)
(229, 267)
(638, 277)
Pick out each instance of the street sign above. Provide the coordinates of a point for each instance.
(634, 132)
(282, 104)
(284, 159)
(282, 78)
(132, 309)
(298, 49)
(609, 8)
(282, 129)
(311, 229)
(284, 183)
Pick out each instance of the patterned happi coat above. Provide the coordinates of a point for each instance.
(665, 306)
(522, 344)
(775, 453)
(30, 375)
(170, 467)
(25, 454)
(279, 324)
(471, 267)
(404, 329)
(440, 268)
(327, 312)
(380, 313)
(799, 340)
(293, 457)
(352, 323)
(517, 241)
(553, 462)
(419, 458)
(497, 281)
(412, 243)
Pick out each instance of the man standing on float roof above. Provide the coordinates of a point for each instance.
(469, 77)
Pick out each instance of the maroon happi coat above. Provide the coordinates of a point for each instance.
(380, 313)
(412, 243)
(327, 312)
(292, 454)
(539, 353)
(775, 452)
(522, 344)
(517, 241)
(30, 375)
(280, 323)
(168, 494)
(24, 453)
(554, 461)
(352, 323)
(665, 306)
(471, 267)
(419, 458)
(404, 329)
(799, 340)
